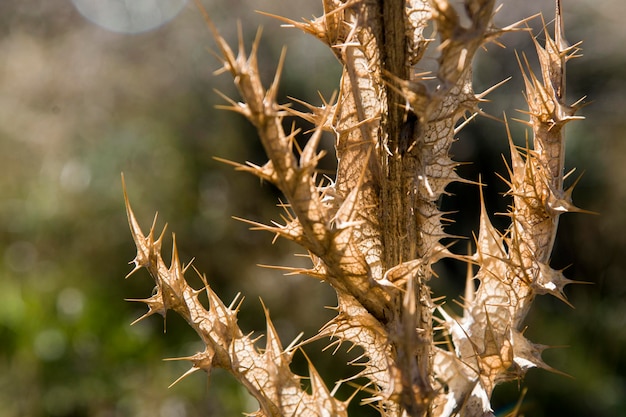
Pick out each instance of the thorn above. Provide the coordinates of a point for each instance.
(465, 122)
(270, 94)
(552, 281)
(469, 280)
(183, 376)
(237, 107)
(155, 306)
(229, 58)
(238, 300)
(482, 95)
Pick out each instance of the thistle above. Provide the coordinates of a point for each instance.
(374, 231)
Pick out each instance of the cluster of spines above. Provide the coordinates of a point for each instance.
(513, 267)
(338, 223)
(264, 372)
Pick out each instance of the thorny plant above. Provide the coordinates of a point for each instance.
(374, 232)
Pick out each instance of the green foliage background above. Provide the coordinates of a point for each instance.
(79, 105)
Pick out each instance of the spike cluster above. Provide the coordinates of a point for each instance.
(266, 374)
(513, 268)
(374, 231)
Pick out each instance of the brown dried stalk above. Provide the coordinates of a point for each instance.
(375, 231)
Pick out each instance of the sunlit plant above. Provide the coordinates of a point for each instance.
(374, 231)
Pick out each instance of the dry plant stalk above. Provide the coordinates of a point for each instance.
(374, 231)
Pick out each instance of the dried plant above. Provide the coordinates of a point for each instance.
(374, 231)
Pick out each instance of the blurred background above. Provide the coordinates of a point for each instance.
(89, 90)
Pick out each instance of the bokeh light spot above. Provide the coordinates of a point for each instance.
(129, 16)
(70, 302)
(49, 344)
(75, 176)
